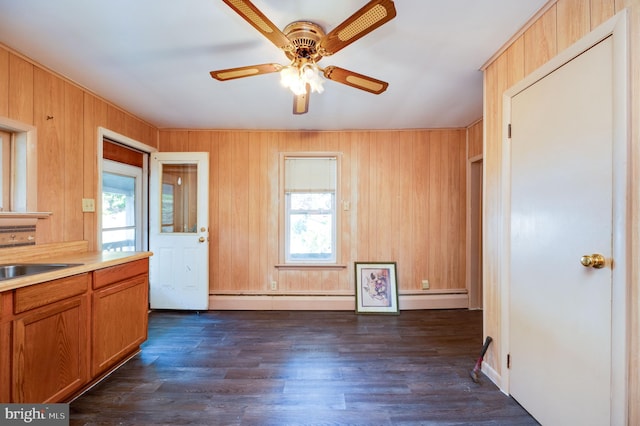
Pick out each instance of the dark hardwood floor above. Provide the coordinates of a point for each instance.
(302, 368)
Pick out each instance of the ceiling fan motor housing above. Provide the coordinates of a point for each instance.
(305, 37)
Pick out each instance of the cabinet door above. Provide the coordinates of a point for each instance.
(120, 315)
(50, 352)
(6, 301)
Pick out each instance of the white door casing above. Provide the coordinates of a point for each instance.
(179, 267)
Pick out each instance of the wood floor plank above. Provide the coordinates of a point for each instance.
(302, 368)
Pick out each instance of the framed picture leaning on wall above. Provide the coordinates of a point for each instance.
(376, 288)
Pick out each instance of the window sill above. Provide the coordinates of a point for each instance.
(36, 215)
(22, 218)
(308, 266)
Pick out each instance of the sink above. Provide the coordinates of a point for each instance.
(16, 270)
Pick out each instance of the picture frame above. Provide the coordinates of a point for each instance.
(376, 288)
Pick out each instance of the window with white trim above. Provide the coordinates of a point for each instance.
(310, 214)
(18, 167)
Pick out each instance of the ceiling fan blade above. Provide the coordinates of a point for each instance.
(240, 72)
(353, 79)
(371, 16)
(260, 22)
(301, 102)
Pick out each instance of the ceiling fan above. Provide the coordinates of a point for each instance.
(305, 43)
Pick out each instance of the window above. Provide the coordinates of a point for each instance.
(121, 207)
(310, 220)
(123, 193)
(5, 176)
(18, 175)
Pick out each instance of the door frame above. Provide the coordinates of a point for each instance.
(622, 191)
(132, 143)
(475, 236)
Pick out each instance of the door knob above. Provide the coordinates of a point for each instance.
(202, 239)
(593, 261)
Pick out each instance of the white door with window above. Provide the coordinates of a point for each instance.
(560, 319)
(179, 230)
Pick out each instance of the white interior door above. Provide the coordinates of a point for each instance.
(179, 230)
(561, 209)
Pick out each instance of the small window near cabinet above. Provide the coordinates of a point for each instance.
(5, 176)
(310, 225)
(19, 167)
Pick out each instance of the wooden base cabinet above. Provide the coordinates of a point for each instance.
(119, 314)
(49, 357)
(60, 337)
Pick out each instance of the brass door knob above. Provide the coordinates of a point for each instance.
(594, 261)
(202, 239)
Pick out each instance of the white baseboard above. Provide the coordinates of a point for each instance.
(331, 303)
(493, 376)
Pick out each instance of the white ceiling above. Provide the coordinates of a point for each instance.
(153, 57)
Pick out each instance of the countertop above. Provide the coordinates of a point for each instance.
(88, 261)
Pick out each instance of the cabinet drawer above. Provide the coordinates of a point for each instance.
(50, 292)
(113, 274)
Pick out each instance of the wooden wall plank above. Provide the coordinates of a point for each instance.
(573, 21)
(437, 205)
(403, 226)
(420, 215)
(49, 118)
(225, 220)
(173, 141)
(237, 169)
(601, 10)
(361, 200)
(516, 61)
(21, 89)
(495, 84)
(268, 222)
(89, 168)
(474, 139)
(4, 82)
(73, 156)
(346, 209)
(456, 221)
(255, 185)
(540, 41)
(214, 210)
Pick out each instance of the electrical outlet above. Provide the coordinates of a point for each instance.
(274, 285)
(88, 205)
(425, 284)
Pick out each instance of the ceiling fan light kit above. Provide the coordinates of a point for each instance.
(305, 43)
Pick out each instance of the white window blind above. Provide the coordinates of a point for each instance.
(310, 174)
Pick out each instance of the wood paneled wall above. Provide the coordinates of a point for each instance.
(562, 23)
(407, 196)
(67, 118)
(474, 139)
